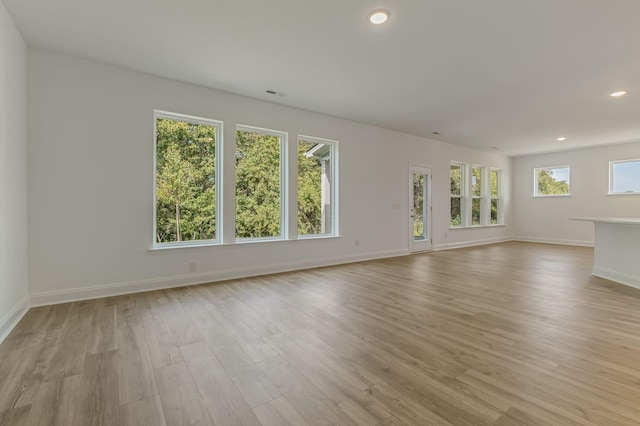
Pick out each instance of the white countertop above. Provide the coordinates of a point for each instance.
(621, 220)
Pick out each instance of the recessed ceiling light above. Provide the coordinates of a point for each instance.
(619, 93)
(494, 147)
(379, 16)
(562, 138)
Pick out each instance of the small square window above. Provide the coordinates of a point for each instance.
(551, 181)
(624, 177)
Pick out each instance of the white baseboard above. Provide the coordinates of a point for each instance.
(14, 316)
(555, 241)
(72, 295)
(616, 276)
(439, 247)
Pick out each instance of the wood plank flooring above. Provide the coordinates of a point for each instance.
(505, 334)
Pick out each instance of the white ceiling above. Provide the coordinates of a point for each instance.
(515, 74)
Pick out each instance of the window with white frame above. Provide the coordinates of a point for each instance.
(551, 181)
(260, 181)
(624, 177)
(477, 195)
(458, 191)
(317, 175)
(188, 172)
(496, 197)
(186, 176)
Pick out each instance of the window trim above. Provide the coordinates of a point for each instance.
(335, 222)
(219, 126)
(227, 240)
(466, 197)
(284, 186)
(535, 181)
(611, 164)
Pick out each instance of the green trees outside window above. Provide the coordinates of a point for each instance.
(185, 180)
(552, 181)
(419, 183)
(495, 196)
(186, 176)
(258, 184)
(314, 201)
(476, 195)
(456, 189)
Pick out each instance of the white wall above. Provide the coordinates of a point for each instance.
(91, 180)
(13, 174)
(546, 218)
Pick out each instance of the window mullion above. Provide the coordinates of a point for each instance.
(229, 189)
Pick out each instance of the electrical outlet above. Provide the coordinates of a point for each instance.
(357, 243)
(193, 267)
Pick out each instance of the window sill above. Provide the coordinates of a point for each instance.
(551, 195)
(495, 225)
(238, 244)
(315, 237)
(169, 247)
(623, 193)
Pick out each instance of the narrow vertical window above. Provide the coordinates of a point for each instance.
(457, 183)
(418, 208)
(259, 183)
(186, 174)
(476, 195)
(496, 196)
(316, 186)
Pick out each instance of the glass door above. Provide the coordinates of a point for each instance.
(419, 209)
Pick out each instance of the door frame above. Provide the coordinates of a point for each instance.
(426, 244)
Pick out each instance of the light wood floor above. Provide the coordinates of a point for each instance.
(506, 334)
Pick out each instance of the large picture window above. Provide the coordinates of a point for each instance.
(624, 177)
(551, 181)
(259, 183)
(188, 172)
(316, 186)
(186, 175)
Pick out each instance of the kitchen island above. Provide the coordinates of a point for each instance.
(617, 248)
